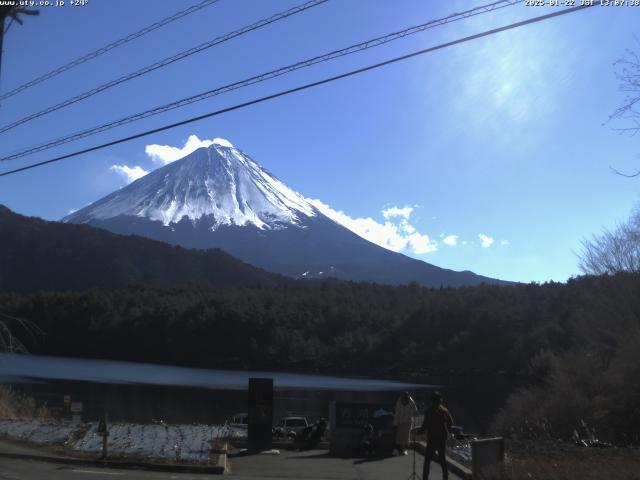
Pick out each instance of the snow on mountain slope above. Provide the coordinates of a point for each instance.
(218, 181)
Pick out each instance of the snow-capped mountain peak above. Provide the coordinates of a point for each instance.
(218, 183)
(219, 197)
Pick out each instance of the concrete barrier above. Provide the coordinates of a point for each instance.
(455, 467)
(487, 458)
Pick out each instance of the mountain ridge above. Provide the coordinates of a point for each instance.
(36, 254)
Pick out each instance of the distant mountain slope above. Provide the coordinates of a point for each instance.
(220, 197)
(40, 255)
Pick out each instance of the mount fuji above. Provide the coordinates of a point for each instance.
(217, 196)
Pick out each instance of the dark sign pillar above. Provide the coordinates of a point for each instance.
(260, 413)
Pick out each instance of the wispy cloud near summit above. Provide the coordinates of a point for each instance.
(396, 233)
(164, 154)
(130, 174)
(404, 212)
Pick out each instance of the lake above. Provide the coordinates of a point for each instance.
(141, 392)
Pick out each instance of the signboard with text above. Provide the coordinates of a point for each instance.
(357, 415)
(347, 425)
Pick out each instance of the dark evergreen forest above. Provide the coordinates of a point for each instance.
(576, 345)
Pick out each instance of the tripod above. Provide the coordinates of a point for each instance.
(414, 475)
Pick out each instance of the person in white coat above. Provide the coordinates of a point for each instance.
(403, 420)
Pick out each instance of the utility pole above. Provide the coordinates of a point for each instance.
(13, 12)
(3, 14)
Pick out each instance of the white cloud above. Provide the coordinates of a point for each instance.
(403, 212)
(451, 240)
(129, 173)
(505, 243)
(222, 142)
(407, 227)
(164, 154)
(485, 240)
(419, 243)
(397, 236)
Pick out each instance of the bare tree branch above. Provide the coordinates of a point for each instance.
(628, 175)
(613, 251)
(10, 342)
(627, 71)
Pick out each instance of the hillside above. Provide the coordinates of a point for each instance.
(40, 255)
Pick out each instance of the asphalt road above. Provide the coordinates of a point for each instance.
(36, 470)
(311, 465)
(318, 465)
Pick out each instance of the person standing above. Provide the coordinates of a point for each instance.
(436, 424)
(403, 420)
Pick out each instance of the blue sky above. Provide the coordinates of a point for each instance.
(489, 156)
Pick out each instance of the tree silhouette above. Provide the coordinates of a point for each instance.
(614, 251)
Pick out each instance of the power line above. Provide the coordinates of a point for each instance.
(107, 48)
(167, 61)
(304, 87)
(375, 42)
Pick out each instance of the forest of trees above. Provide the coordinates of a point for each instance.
(36, 254)
(575, 343)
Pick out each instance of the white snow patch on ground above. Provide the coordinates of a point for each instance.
(179, 443)
(42, 433)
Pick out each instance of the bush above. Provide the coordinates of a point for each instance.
(17, 406)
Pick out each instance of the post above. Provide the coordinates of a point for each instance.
(2, 17)
(66, 409)
(259, 431)
(104, 431)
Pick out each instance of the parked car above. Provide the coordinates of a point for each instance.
(291, 426)
(239, 420)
